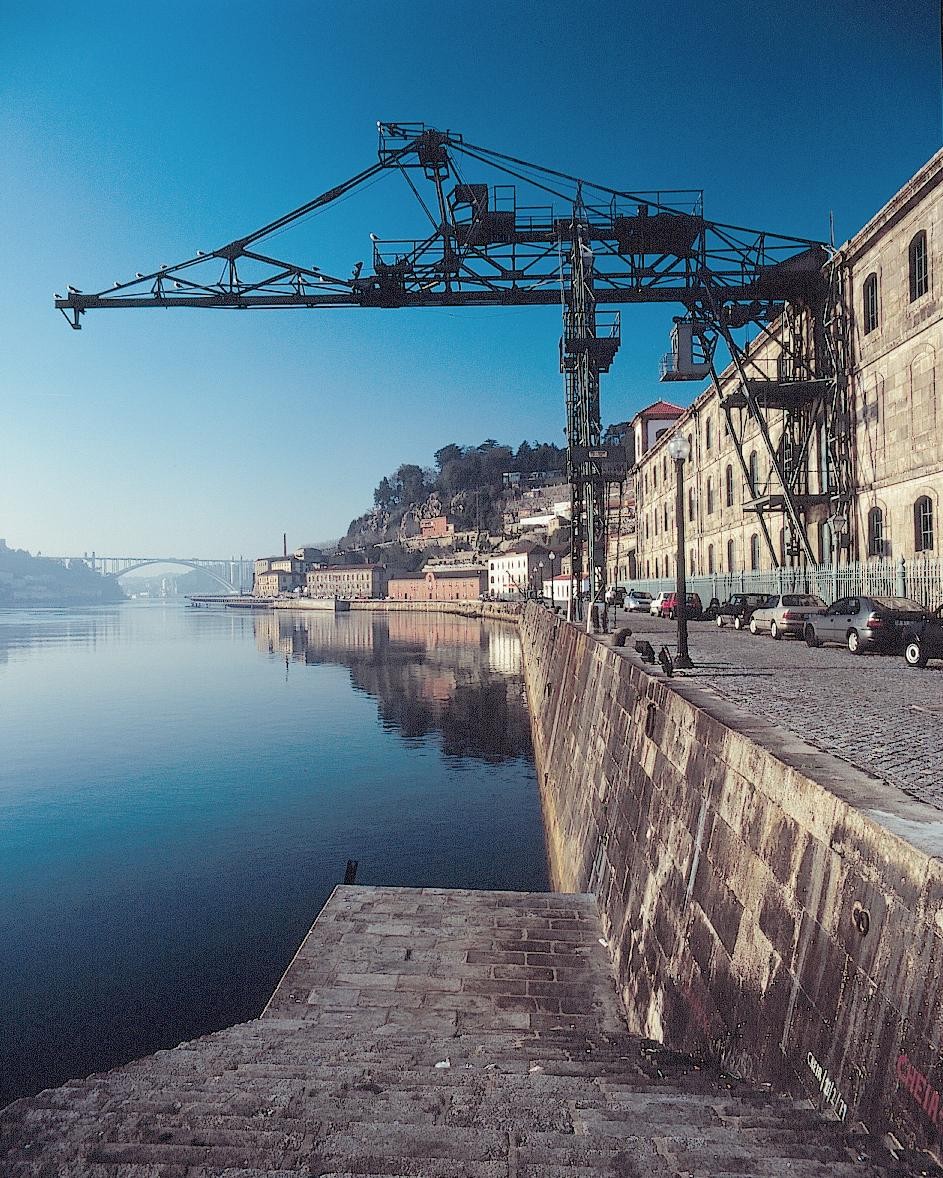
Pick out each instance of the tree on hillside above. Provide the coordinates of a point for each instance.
(410, 484)
(384, 496)
(447, 454)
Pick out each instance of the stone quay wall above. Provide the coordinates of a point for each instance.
(505, 611)
(765, 904)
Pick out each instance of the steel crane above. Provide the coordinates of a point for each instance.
(583, 246)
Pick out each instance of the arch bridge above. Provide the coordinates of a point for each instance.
(232, 574)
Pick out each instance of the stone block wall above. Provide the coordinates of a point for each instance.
(764, 903)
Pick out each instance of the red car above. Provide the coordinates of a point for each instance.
(669, 606)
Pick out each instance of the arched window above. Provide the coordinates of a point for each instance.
(730, 556)
(690, 449)
(919, 265)
(923, 524)
(728, 486)
(648, 568)
(666, 517)
(692, 563)
(655, 516)
(708, 434)
(870, 303)
(875, 532)
(754, 472)
(657, 573)
(710, 558)
(754, 552)
(690, 504)
(710, 496)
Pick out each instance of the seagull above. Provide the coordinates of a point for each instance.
(117, 284)
(178, 286)
(374, 238)
(665, 659)
(138, 274)
(73, 290)
(200, 254)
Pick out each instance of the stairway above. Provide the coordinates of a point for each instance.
(442, 1034)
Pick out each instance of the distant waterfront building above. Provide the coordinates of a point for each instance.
(346, 580)
(439, 584)
(274, 583)
(515, 573)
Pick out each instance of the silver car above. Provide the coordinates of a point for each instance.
(786, 613)
(637, 601)
(867, 623)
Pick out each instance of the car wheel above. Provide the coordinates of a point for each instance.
(811, 638)
(854, 642)
(774, 631)
(720, 620)
(753, 627)
(738, 623)
(913, 656)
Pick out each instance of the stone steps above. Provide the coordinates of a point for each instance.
(330, 1087)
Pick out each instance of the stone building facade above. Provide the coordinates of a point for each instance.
(893, 286)
(353, 580)
(439, 585)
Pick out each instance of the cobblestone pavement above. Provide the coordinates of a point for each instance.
(871, 710)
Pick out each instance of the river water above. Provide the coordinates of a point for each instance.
(180, 789)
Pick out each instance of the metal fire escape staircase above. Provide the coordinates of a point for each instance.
(581, 245)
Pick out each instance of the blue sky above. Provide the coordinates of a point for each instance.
(134, 134)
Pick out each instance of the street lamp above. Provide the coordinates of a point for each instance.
(540, 570)
(550, 557)
(679, 450)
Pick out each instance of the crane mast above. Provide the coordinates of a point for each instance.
(582, 246)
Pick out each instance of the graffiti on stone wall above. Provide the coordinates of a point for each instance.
(827, 1087)
(914, 1082)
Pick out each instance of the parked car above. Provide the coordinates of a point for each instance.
(615, 595)
(637, 601)
(655, 608)
(669, 607)
(866, 623)
(785, 613)
(923, 640)
(738, 609)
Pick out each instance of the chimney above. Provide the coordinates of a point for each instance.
(284, 543)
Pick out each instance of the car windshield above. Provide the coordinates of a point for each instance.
(640, 596)
(901, 604)
(802, 599)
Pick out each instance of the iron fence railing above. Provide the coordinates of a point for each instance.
(920, 579)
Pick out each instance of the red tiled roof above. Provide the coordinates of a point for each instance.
(661, 409)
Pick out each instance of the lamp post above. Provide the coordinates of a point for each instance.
(679, 450)
(540, 571)
(550, 557)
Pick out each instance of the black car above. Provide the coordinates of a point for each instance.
(866, 623)
(923, 640)
(738, 608)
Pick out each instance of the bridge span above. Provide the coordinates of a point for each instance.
(234, 574)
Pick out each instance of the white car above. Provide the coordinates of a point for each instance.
(655, 608)
(637, 601)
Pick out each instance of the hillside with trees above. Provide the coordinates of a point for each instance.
(467, 483)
